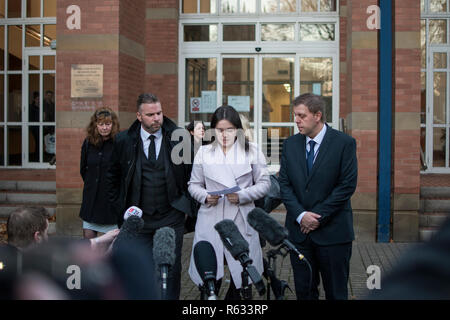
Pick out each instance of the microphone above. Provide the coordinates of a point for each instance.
(132, 225)
(239, 249)
(132, 211)
(271, 230)
(164, 255)
(206, 264)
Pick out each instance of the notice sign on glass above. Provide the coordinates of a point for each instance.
(86, 81)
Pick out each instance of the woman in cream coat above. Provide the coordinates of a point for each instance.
(229, 161)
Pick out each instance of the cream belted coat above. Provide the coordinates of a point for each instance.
(212, 171)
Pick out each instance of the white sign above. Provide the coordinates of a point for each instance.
(209, 101)
(240, 103)
(196, 104)
(317, 88)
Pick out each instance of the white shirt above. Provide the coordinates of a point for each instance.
(318, 140)
(146, 141)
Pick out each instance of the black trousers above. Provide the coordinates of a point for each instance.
(174, 276)
(333, 264)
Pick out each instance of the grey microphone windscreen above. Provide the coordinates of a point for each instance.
(267, 226)
(232, 238)
(164, 247)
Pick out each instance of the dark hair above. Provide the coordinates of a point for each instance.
(100, 115)
(23, 223)
(313, 102)
(191, 126)
(229, 113)
(146, 98)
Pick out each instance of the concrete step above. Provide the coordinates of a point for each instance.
(28, 198)
(6, 209)
(425, 234)
(432, 220)
(436, 205)
(47, 186)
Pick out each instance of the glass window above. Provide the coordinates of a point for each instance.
(2, 47)
(33, 143)
(309, 6)
(239, 32)
(317, 32)
(189, 6)
(277, 32)
(14, 8)
(2, 146)
(14, 146)
(272, 142)
(288, 6)
(49, 8)
(15, 97)
(49, 143)
(49, 98)
(34, 99)
(33, 8)
(423, 43)
(278, 84)
(247, 6)
(49, 62)
(2, 10)
(229, 6)
(49, 34)
(440, 60)
(201, 88)
(34, 63)
(316, 76)
(422, 6)
(439, 150)
(439, 97)
(438, 31)
(438, 5)
(239, 85)
(273, 6)
(423, 98)
(2, 98)
(327, 5)
(15, 47)
(200, 32)
(32, 35)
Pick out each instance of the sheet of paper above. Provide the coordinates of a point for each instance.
(224, 191)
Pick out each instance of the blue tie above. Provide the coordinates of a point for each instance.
(310, 155)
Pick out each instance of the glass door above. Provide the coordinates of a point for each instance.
(38, 96)
(437, 117)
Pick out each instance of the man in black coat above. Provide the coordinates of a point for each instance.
(318, 176)
(144, 173)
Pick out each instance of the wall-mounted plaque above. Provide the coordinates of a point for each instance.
(86, 81)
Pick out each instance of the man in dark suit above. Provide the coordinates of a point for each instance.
(143, 174)
(318, 176)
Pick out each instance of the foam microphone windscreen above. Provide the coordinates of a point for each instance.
(205, 260)
(232, 238)
(267, 226)
(164, 247)
(130, 229)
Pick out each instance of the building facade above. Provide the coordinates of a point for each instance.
(256, 55)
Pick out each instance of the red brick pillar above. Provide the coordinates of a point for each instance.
(110, 34)
(359, 107)
(161, 42)
(406, 139)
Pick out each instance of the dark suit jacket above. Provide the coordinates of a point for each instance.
(326, 191)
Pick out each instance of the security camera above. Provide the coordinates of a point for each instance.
(258, 49)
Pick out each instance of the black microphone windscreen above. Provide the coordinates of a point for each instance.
(267, 226)
(164, 246)
(232, 238)
(130, 229)
(205, 260)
